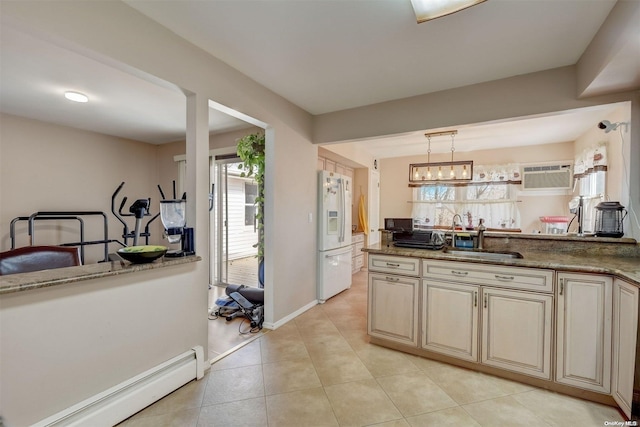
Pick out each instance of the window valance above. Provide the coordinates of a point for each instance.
(590, 160)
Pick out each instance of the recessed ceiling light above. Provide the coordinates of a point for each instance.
(431, 9)
(76, 96)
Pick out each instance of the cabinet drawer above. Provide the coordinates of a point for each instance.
(356, 249)
(531, 279)
(359, 261)
(394, 264)
(357, 238)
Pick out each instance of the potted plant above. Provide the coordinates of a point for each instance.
(250, 149)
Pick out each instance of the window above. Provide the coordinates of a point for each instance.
(592, 184)
(250, 207)
(436, 205)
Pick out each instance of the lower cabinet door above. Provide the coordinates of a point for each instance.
(516, 331)
(450, 319)
(583, 348)
(625, 324)
(393, 308)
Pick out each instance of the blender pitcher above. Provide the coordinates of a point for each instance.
(173, 216)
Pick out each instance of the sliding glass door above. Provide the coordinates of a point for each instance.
(233, 225)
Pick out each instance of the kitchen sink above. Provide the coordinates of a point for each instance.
(482, 254)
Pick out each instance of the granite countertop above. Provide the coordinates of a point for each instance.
(625, 267)
(60, 276)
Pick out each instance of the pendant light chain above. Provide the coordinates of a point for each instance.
(457, 171)
(453, 135)
(429, 157)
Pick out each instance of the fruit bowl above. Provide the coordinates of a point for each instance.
(142, 254)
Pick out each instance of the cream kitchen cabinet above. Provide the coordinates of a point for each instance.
(450, 321)
(583, 338)
(357, 256)
(530, 279)
(625, 329)
(516, 331)
(394, 287)
(516, 323)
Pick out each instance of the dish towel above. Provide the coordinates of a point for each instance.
(362, 216)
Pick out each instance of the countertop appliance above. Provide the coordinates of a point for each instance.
(334, 234)
(609, 217)
(419, 239)
(398, 224)
(405, 236)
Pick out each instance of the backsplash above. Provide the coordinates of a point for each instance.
(587, 245)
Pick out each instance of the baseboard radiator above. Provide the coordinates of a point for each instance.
(125, 399)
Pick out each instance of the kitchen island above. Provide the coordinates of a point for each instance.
(563, 317)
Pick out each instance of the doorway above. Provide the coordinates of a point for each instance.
(232, 257)
(233, 250)
(234, 225)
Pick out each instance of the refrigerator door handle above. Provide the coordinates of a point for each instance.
(342, 209)
(338, 254)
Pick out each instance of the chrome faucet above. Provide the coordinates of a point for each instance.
(453, 229)
(481, 230)
(454, 223)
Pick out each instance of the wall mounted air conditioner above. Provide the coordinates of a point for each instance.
(550, 176)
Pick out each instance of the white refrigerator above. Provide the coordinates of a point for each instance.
(334, 234)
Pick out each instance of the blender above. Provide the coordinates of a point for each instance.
(174, 218)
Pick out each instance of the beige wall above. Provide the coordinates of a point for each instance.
(395, 193)
(167, 154)
(97, 29)
(617, 182)
(55, 168)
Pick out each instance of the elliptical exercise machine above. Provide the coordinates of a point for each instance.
(138, 209)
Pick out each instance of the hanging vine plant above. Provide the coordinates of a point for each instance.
(250, 149)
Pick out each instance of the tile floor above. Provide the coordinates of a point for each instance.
(320, 370)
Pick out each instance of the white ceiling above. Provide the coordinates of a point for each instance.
(35, 73)
(322, 56)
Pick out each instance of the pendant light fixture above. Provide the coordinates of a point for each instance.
(420, 173)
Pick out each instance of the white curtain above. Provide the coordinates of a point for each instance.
(590, 160)
(590, 170)
(490, 196)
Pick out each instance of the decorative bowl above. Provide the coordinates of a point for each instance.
(142, 254)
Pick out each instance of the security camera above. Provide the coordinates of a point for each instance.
(607, 126)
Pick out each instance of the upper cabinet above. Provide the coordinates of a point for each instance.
(331, 166)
